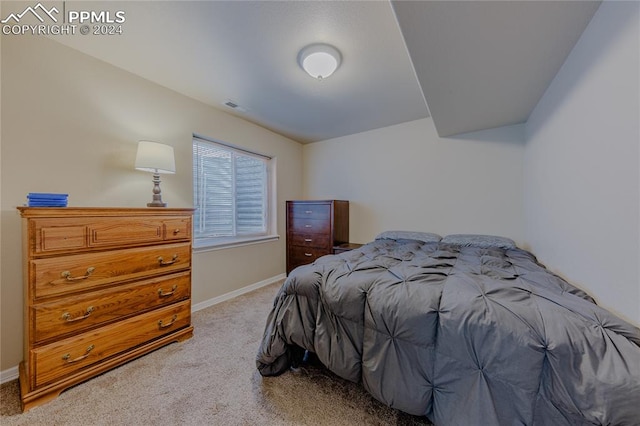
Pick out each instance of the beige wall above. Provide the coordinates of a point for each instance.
(407, 177)
(71, 123)
(582, 163)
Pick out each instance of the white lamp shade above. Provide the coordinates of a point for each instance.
(319, 60)
(155, 157)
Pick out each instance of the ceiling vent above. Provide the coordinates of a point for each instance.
(231, 104)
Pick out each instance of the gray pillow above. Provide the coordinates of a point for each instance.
(478, 240)
(427, 237)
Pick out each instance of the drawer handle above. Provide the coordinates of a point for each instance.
(307, 240)
(161, 292)
(67, 275)
(307, 226)
(308, 254)
(161, 325)
(80, 358)
(173, 260)
(176, 231)
(309, 211)
(67, 316)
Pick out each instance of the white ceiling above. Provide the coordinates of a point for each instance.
(480, 64)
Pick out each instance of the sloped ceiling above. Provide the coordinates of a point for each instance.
(484, 64)
(476, 64)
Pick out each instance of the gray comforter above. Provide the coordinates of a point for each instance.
(462, 335)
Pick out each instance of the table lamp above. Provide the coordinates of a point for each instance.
(155, 158)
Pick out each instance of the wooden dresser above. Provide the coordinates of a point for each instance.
(313, 228)
(102, 287)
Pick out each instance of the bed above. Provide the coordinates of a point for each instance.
(465, 330)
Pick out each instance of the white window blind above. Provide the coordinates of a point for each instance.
(231, 192)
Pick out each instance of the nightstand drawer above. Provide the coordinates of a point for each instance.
(81, 272)
(70, 355)
(345, 247)
(74, 314)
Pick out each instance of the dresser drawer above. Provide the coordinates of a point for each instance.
(80, 272)
(68, 237)
(124, 231)
(309, 226)
(177, 229)
(65, 234)
(70, 355)
(322, 241)
(310, 211)
(302, 256)
(76, 313)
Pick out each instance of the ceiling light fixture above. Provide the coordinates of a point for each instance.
(319, 60)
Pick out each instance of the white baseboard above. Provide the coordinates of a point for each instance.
(12, 373)
(9, 374)
(236, 293)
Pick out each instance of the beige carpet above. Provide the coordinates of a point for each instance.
(210, 379)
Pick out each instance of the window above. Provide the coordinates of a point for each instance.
(231, 192)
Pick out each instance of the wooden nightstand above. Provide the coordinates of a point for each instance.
(345, 247)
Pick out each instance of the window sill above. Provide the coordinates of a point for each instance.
(220, 244)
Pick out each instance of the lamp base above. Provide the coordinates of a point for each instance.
(157, 196)
(156, 204)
